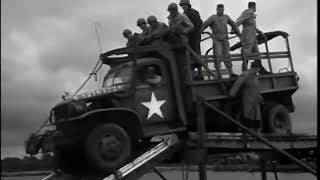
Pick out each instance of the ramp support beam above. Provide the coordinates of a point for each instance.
(265, 141)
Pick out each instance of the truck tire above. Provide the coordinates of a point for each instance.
(68, 162)
(276, 119)
(107, 147)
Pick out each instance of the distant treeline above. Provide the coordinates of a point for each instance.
(28, 163)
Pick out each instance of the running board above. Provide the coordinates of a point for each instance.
(167, 142)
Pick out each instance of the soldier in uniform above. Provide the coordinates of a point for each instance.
(249, 40)
(195, 35)
(179, 24)
(151, 76)
(133, 39)
(158, 29)
(247, 87)
(146, 31)
(218, 24)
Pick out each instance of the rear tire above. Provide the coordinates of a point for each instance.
(108, 147)
(276, 119)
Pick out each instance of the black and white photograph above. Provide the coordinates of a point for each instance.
(150, 89)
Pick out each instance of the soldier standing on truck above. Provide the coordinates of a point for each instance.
(218, 24)
(145, 34)
(248, 38)
(195, 35)
(247, 87)
(179, 24)
(158, 29)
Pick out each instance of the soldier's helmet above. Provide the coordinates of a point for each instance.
(126, 32)
(141, 21)
(173, 7)
(184, 2)
(151, 19)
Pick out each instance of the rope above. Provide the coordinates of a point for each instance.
(94, 72)
(43, 124)
(96, 68)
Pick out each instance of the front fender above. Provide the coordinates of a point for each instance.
(126, 118)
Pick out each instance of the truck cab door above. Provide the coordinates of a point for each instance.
(154, 99)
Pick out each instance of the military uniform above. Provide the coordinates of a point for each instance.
(248, 37)
(160, 30)
(247, 87)
(181, 25)
(195, 35)
(218, 25)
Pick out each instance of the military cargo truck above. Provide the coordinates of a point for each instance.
(103, 128)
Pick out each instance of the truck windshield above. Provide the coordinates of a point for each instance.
(119, 75)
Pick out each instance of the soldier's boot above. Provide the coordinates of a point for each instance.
(200, 75)
(262, 69)
(197, 75)
(255, 125)
(231, 73)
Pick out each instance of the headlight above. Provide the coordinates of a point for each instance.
(297, 77)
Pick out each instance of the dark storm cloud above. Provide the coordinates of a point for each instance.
(48, 47)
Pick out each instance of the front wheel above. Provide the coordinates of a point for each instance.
(108, 147)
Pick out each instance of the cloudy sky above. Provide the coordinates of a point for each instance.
(48, 47)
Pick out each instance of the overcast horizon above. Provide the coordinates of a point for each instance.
(48, 47)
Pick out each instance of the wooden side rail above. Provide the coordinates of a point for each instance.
(238, 57)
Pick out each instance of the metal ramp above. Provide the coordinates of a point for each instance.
(144, 158)
(167, 142)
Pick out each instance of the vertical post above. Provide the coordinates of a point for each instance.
(263, 169)
(218, 65)
(268, 56)
(202, 137)
(188, 68)
(274, 169)
(289, 53)
(269, 62)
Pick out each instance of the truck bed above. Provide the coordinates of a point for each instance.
(269, 83)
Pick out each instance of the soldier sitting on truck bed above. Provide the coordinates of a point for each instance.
(133, 39)
(146, 31)
(158, 29)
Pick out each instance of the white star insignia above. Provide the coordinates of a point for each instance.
(154, 106)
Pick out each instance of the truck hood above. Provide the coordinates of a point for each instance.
(100, 92)
(93, 94)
